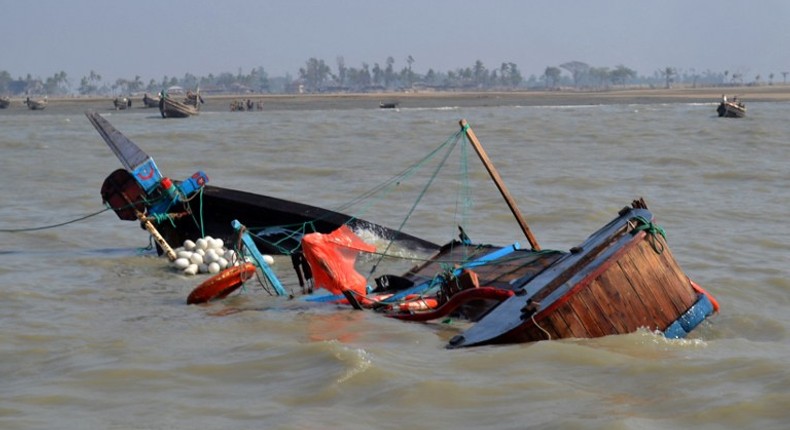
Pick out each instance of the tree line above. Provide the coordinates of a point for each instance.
(316, 76)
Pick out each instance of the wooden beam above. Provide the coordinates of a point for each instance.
(522, 222)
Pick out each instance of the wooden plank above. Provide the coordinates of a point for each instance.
(585, 308)
(669, 277)
(511, 203)
(572, 320)
(604, 303)
(652, 288)
(632, 311)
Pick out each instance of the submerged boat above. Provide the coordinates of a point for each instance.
(192, 209)
(621, 279)
(731, 108)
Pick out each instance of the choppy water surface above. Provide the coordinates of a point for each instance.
(96, 333)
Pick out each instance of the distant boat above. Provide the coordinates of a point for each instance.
(150, 102)
(36, 104)
(390, 105)
(122, 103)
(731, 108)
(172, 108)
(4, 102)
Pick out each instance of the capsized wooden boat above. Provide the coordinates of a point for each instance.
(731, 108)
(191, 209)
(621, 279)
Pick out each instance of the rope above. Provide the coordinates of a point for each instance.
(652, 230)
(419, 198)
(46, 227)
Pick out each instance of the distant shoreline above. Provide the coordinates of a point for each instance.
(428, 99)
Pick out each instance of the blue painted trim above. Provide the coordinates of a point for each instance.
(256, 255)
(697, 313)
(147, 175)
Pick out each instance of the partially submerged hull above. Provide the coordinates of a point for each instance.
(279, 224)
(191, 209)
(621, 279)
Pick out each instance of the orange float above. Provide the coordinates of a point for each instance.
(223, 283)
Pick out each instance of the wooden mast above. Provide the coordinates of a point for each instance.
(500, 185)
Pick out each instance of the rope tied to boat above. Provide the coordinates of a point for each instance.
(652, 230)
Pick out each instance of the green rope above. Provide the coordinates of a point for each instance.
(652, 230)
(419, 198)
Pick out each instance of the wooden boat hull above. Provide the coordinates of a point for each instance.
(622, 278)
(4, 102)
(170, 108)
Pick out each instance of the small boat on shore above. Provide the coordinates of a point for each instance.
(5, 102)
(169, 107)
(39, 104)
(150, 102)
(731, 108)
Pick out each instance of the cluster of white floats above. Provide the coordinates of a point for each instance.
(207, 255)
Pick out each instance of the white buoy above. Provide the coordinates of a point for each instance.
(213, 268)
(181, 263)
(196, 258)
(192, 269)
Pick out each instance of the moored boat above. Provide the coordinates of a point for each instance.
(121, 103)
(5, 102)
(169, 107)
(150, 102)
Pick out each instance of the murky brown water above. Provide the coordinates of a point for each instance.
(96, 333)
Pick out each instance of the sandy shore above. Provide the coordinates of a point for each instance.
(766, 93)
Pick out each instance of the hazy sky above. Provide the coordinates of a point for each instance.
(153, 39)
